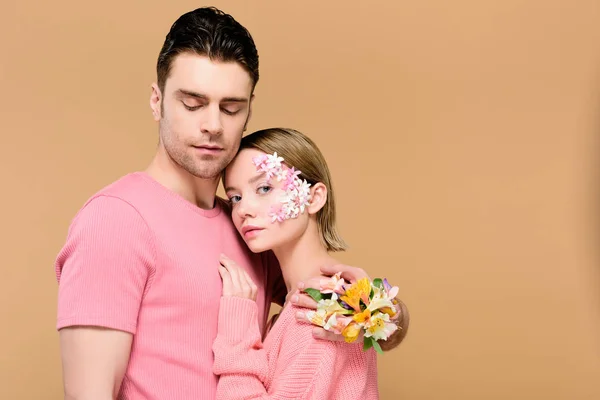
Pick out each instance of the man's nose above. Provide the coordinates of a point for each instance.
(211, 123)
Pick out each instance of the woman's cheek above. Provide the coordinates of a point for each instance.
(274, 203)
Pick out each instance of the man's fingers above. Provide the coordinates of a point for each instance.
(314, 283)
(322, 334)
(303, 300)
(349, 273)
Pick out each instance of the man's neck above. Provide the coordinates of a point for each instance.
(200, 192)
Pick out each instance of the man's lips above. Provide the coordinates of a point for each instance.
(208, 149)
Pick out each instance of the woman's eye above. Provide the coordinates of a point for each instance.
(264, 189)
(234, 199)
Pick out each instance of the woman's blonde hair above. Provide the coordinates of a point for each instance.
(302, 153)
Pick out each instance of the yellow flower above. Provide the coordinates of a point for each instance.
(379, 301)
(351, 332)
(380, 327)
(391, 311)
(362, 317)
(317, 317)
(332, 305)
(360, 290)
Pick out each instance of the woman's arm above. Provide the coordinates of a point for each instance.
(304, 369)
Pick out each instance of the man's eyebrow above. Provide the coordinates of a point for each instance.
(191, 94)
(205, 97)
(251, 180)
(234, 100)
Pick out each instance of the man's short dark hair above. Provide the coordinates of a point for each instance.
(209, 32)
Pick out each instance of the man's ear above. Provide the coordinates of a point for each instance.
(318, 198)
(249, 112)
(156, 102)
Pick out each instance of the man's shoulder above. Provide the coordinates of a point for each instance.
(124, 193)
(128, 187)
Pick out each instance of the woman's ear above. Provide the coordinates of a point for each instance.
(318, 198)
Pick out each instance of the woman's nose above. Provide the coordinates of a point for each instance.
(246, 209)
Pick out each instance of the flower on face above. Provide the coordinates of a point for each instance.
(380, 327)
(296, 192)
(351, 332)
(269, 164)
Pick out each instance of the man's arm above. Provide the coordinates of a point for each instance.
(94, 361)
(103, 271)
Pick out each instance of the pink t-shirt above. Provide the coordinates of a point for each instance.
(141, 259)
(291, 363)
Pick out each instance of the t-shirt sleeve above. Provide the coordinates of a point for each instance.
(105, 266)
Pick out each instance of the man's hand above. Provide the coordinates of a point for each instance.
(350, 274)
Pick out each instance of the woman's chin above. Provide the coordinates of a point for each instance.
(257, 247)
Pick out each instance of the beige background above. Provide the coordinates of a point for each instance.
(463, 139)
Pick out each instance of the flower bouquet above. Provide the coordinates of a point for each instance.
(349, 309)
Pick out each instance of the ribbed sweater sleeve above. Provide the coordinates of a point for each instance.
(306, 368)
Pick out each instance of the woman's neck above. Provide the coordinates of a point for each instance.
(302, 260)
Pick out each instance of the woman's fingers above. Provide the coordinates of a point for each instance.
(226, 278)
(241, 285)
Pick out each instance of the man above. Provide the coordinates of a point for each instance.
(139, 287)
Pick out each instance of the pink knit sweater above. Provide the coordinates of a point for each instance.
(290, 364)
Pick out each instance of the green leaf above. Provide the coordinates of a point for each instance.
(314, 293)
(367, 343)
(377, 346)
(378, 282)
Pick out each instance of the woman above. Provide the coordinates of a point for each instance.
(282, 200)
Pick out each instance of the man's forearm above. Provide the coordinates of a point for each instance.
(398, 336)
(91, 396)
